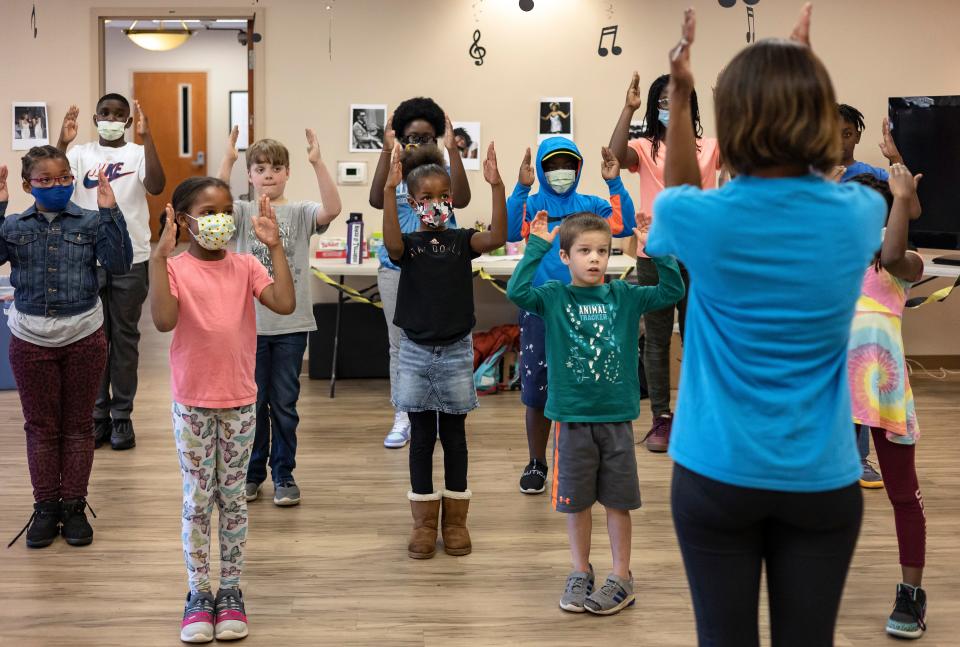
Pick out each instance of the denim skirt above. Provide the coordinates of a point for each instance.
(435, 378)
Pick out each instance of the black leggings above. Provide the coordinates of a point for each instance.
(727, 533)
(423, 436)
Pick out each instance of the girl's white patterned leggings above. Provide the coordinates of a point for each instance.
(214, 446)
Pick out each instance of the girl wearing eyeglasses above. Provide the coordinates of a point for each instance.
(416, 122)
(58, 349)
(645, 156)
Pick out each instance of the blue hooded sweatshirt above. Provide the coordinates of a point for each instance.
(522, 208)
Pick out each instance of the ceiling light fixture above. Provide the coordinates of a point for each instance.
(158, 40)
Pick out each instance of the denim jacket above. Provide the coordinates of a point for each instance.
(54, 264)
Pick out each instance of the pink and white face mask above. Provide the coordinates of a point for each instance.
(434, 214)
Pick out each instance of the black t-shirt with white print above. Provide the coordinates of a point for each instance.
(435, 295)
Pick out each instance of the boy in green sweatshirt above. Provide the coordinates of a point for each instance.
(594, 393)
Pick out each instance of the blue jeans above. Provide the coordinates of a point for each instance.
(279, 360)
(863, 441)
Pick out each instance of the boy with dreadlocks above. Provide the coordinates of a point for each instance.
(851, 129)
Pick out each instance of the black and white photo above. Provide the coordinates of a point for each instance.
(556, 117)
(367, 125)
(30, 125)
(466, 134)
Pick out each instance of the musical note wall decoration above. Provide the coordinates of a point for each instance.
(477, 51)
(726, 4)
(33, 20)
(609, 31)
(526, 5)
(751, 26)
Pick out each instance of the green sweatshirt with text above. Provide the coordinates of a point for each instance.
(592, 335)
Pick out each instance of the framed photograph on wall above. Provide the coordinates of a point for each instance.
(240, 116)
(637, 128)
(467, 136)
(30, 125)
(556, 117)
(367, 124)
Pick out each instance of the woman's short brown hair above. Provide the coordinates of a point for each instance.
(268, 151)
(775, 105)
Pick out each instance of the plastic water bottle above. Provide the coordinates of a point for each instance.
(355, 238)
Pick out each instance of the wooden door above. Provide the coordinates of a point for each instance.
(176, 105)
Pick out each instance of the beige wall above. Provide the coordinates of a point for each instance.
(215, 52)
(387, 50)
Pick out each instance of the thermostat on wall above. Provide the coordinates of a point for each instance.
(351, 172)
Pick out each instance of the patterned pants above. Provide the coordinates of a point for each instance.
(214, 447)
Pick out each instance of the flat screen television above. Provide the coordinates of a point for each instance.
(927, 132)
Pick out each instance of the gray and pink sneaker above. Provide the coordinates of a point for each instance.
(197, 625)
(231, 615)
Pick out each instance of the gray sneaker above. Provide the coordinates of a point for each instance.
(870, 478)
(615, 594)
(252, 491)
(286, 493)
(579, 586)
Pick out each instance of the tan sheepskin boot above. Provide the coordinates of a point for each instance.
(456, 537)
(426, 513)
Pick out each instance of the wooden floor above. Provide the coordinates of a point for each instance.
(334, 570)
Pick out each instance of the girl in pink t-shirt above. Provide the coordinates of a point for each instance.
(204, 296)
(645, 156)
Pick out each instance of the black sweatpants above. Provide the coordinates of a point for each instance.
(424, 426)
(727, 533)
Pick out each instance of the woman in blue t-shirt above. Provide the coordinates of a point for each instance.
(416, 122)
(766, 467)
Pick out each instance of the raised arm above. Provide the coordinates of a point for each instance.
(889, 147)
(392, 236)
(113, 247)
(619, 210)
(486, 241)
(279, 296)
(517, 202)
(520, 288)
(68, 130)
(669, 289)
(329, 196)
(230, 156)
(680, 165)
(383, 167)
(154, 180)
(164, 307)
(458, 175)
(906, 207)
(621, 132)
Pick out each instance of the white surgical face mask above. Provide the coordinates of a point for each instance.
(561, 180)
(214, 232)
(664, 116)
(111, 130)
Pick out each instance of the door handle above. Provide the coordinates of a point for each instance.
(201, 159)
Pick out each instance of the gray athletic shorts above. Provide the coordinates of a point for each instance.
(594, 462)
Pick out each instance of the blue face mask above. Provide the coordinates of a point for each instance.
(54, 198)
(664, 117)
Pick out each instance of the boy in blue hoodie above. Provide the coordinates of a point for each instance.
(558, 168)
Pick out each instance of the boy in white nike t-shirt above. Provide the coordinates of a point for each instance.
(133, 171)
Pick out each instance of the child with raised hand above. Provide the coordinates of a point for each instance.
(880, 388)
(645, 157)
(592, 330)
(58, 348)
(765, 466)
(281, 340)
(435, 314)
(204, 296)
(558, 169)
(416, 122)
(851, 130)
(133, 170)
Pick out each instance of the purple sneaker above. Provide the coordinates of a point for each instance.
(658, 438)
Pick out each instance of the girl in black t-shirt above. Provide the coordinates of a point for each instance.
(435, 314)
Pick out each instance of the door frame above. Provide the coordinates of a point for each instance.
(256, 72)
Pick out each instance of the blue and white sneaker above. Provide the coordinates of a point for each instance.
(399, 435)
(615, 594)
(908, 619)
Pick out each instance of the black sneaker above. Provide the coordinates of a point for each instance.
(44, 525)
(534, 478)
(76, 529)
(102, 428)
(909, 613)
(122, 436)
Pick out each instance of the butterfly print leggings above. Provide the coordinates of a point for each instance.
(214, 448)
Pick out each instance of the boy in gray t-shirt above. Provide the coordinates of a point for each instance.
(281, 339)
